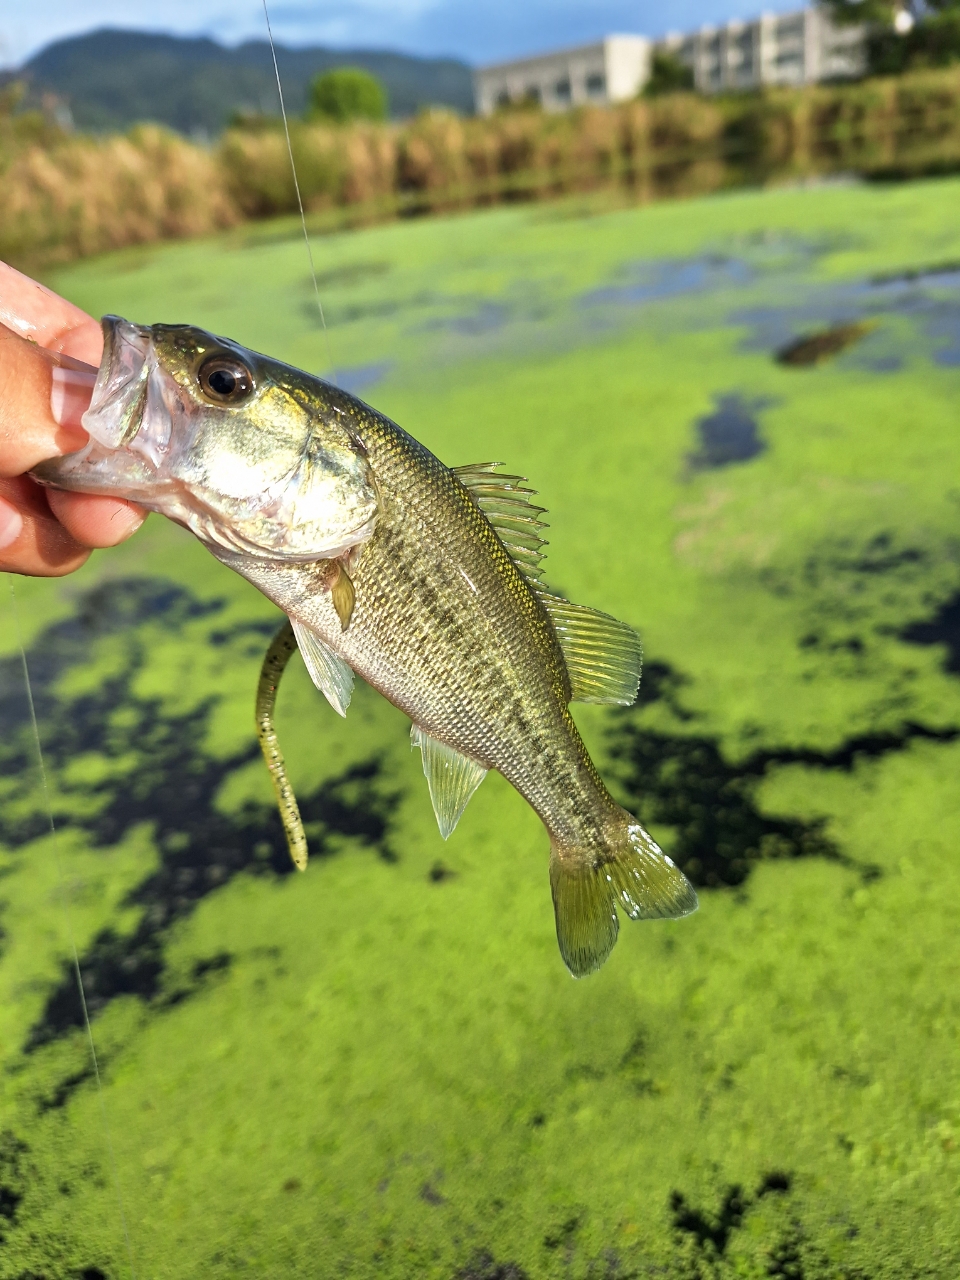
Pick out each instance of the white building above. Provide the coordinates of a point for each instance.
(613, 70)
(775, 49)
(782, 49)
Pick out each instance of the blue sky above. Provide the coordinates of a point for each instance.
(476, 30)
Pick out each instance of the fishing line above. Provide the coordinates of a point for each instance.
(296, 187)
(61, 882)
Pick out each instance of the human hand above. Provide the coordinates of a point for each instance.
(44, 532)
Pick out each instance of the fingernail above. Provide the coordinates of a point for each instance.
(11, 524)
(70, 393)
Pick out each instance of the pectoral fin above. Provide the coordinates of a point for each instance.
(451, 777)
(344, 597)
(328, 672)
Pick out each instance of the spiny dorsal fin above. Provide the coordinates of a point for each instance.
(328, 672)
(603, 656)
(451, 777)
(506, 503)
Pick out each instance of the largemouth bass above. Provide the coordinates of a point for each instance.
(420, 578)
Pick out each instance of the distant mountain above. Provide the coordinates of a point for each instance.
(112, 79)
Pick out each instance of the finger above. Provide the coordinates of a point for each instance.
(94, 521)
(29, 432)
(35, 312)
(42, 547)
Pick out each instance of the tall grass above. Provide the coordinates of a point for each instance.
(63, 197)
(80, 196)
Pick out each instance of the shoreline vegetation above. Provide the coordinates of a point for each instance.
(66, 196)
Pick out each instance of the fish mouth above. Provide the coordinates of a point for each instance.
(106, 464)
(120, 392)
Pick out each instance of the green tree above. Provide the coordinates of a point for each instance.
(347, 93)
(884, 12)
(667, 75)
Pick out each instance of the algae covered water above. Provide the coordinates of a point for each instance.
(382, 1068)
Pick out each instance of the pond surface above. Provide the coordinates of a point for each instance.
(381, 1068)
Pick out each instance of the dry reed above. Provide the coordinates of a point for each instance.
(63, 197)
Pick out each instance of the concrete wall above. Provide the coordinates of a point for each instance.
(775, 49)
(612, 70)
(786, 49)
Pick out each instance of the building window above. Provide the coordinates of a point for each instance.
(503, 98)
(532, 93)
(561, 90)
(596, 83)
(790, 29)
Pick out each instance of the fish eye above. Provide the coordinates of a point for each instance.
(225, 380)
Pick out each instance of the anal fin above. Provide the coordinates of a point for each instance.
(327, 670)
(452, 778)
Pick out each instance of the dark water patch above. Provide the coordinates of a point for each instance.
(65, 1089)
(814, 348)
(202, 972)
(881, 364)
(351, 273)
(484, 1266)
(685, 783)
(634, 1070)
(335, 313)
(489, 317)
(729, 435)
(943, 328)
(157, 772)
(929, 299)
(943, 629)
(711, 1230)
(651, 281)
(786, 1259)
(773, 328)
(719, 833)
(12, 1178)
(361, 377)
(438, 873)
(563, 1235)
(879, 555)
(263, 630)
(774, 251)
(943, 273)
(201, 850)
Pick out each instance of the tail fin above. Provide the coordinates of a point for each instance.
(587, 885)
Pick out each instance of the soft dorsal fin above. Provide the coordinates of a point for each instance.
(328, 672)
(603, 656)
(451, 777)
(505, 502)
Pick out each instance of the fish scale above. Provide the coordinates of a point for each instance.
(393, 566)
